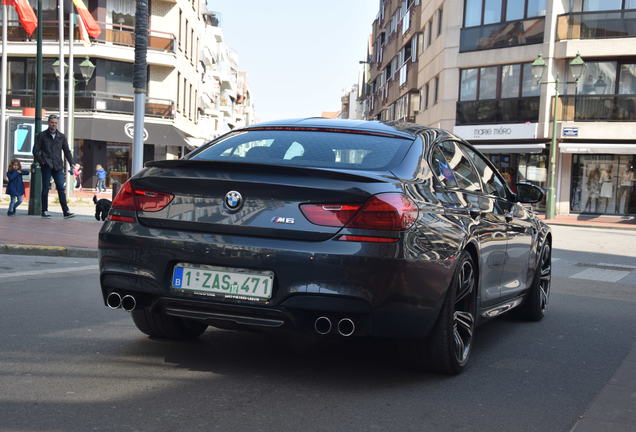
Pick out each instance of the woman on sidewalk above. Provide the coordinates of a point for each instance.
(15, 187)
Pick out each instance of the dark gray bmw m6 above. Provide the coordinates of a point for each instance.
(332, 227)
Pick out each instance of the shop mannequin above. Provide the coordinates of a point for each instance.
(593, 189)
(626, 179)
(606, 187)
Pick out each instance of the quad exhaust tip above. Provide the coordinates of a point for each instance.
(128, 303)
(113, 300)
(322, 325)
(346, 327)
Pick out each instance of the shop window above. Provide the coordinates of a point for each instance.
(117, 162)
(603, 184)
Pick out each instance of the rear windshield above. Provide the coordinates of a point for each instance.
(308, 148)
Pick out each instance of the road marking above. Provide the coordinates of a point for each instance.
(48, 271)
(600, 275)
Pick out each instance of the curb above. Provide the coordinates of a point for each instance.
(59, 251)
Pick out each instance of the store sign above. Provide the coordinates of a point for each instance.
(498, 131)
(129, 130)
(570, 131)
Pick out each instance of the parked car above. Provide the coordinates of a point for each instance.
(333, 227)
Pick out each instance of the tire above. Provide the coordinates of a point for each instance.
(162, 326)
(535, 304)
(449, 344)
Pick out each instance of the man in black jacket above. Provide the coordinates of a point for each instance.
(48, 148)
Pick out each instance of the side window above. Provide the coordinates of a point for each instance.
(491, 181)
(465, 174)
(442, 170)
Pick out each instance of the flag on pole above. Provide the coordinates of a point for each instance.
(27, 17)
(90, 25)
(83, 32)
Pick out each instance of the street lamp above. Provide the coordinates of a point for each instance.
(577, 67)
(56, 68)
(87, 68)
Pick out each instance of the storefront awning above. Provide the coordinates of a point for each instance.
(597, 148)
(511, 148)
(122, 131)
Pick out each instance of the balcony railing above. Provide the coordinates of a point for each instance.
(502, 35)
(599, 108)
(597, 25)
(519, 110)
(92, 101)
(114, 34)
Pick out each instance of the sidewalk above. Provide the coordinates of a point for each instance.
(590, 221)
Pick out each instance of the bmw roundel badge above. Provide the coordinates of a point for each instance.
(233, 200)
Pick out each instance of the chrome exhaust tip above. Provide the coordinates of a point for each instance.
(128, 303)
(346, 327)
(113, 300)
(322, 325)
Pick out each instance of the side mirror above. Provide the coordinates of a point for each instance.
(528, 193)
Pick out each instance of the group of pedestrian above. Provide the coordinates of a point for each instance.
(51, 151)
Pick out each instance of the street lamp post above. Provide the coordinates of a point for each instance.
(577, 66)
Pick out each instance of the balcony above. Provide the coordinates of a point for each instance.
(114, 34)
(92, 101)
(583, 108)
(597, 25)
(502, 35)
(493, 111)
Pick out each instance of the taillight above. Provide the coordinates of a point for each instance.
(129, 198)
(386, 212)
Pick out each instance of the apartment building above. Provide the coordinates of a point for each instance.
(193, 91)
(474, 77)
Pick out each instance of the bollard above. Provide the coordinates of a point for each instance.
(115, 186)
(35, 192)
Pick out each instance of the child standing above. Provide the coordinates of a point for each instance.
(101, 178)
(77, 174)
(15, 187)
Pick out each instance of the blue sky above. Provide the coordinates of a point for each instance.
(299, 54)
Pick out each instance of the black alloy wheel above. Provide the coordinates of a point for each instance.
(451, 340)
(536, 302)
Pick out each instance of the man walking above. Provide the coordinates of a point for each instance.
(48, 148)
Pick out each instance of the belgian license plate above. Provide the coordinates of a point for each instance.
(223, 281)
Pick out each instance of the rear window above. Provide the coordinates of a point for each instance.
(308, 148)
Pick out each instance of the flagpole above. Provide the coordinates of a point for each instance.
(3, 110)
(71, 84)
(60, 30)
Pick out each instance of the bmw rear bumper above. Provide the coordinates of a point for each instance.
(385, 290)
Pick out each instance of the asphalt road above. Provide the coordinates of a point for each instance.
(69, 364)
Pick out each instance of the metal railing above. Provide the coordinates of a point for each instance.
(597, 25)
(598, 108)
(114, 34)
(514, 110)
(92, 101)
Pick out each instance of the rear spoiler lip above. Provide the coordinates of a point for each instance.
(362, 176)
(355, 131)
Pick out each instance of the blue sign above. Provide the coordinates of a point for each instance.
(571, 131)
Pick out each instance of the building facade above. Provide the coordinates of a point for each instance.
(474, 77)
(193, 93)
